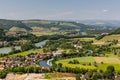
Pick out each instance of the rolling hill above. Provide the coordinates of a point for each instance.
(49, 25)
(8, 24)
(60, 25)
(46, 24)
(117, 31)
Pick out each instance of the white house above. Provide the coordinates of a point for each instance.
(55, 53)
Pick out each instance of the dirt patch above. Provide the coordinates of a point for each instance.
(16, 76)
(107, 60)
(24, 76)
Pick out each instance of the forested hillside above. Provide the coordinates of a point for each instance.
(7, 24)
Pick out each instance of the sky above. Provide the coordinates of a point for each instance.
(60, 9)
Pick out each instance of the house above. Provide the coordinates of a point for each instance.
(20, 42)
(55, 53)
(85, 76)
(77, 46)
(104, 33)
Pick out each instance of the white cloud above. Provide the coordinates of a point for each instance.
(105, 10)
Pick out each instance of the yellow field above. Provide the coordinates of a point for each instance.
(16, 29)
(43, 33)
(84, 39)
(107, 60)
(98, 43)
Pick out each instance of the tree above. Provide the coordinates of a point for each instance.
(59, 65)
(27, 46)
(3, 73)
(110, 72)
(2, 33)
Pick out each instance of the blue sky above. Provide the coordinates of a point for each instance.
(60, 9)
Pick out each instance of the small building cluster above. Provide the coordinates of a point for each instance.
(30, 60)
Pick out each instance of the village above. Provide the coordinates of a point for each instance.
(29, 60)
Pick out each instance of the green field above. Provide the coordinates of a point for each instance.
(111, 37)
(25, 53)
(85, 61)
(107, 39)
(84, 39)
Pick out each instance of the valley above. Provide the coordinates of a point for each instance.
(58, 47)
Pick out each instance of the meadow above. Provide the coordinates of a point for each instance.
(99, 63)
(84, 39)
(25, 53)
(111, 37)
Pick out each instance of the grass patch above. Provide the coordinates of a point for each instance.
(25, 53)
(107, 39)
(84, 39)
(111, 38)
(84, 61)
(50, 76)
(80, 59)
(104, 66)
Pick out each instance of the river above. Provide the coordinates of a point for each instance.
(46, 63)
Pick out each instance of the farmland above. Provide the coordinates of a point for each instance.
(71, 51)
(107, 39)
(43, 33)
(84, 39)
(89, 62)
(25, 53)
(111, 37)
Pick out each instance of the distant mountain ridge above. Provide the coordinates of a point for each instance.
(50, 25)
(111, 23)
(61, 25)
(47, 24)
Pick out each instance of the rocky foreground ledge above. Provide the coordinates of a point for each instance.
(33, 76)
